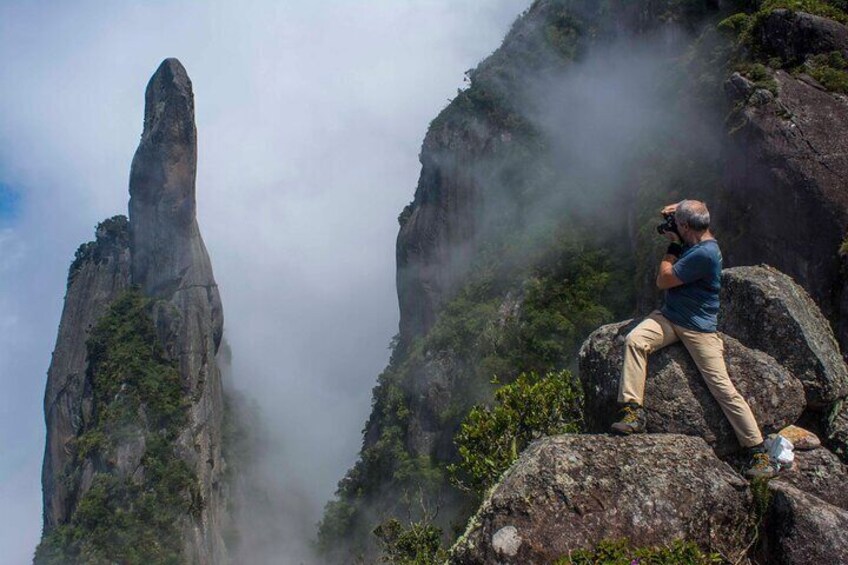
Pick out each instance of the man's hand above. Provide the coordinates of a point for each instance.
(672, 237)
(669, 209)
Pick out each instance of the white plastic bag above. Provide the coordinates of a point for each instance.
(780, 450)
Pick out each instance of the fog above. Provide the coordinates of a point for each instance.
(310, 118)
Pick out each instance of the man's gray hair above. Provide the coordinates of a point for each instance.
(693, 213)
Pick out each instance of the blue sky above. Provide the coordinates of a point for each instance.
(310, 118)
(9, 204)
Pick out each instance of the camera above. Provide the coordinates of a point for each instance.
(668, 225)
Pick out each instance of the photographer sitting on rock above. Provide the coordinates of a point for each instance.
(690, 273)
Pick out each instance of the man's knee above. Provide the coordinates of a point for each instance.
(635, 341)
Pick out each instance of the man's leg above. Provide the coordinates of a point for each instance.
(653, 333)
(707, 350)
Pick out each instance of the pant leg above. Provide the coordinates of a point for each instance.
(654, 332)
(707, 349)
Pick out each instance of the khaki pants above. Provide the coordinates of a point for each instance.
(707, 349)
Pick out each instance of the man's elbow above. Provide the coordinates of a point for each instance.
(666, 281)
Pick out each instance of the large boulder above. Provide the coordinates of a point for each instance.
(802, 528)
(820, 473)
(677, 399)
(571, 491)
(793, 36)
(766, 310)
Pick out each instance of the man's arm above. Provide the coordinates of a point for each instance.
(675, 271)
(665, 276)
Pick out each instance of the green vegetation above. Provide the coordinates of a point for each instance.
(761, 496)
(760, 75)
(511, 317)
(113, 236)
(751, 58)
(130, 516)
(830, 70)
(621, 552)
(745, 26)
(827, 9)
(419, 543)
(491, 438)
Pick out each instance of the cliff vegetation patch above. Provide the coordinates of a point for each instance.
(491, 437)
(128, 516)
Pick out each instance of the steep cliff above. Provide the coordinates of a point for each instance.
(99, 273)
(133, 466)
(534, 217)
(518, 241)
(787, 157)
(170, 263)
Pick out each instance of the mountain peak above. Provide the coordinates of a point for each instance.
(169, 104)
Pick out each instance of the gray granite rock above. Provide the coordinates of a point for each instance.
(569, 492)
(766, 310)
(170, 263)
(99, 273)
(802, 529)
(794, 35)
(161, 251)
(818, 472)
(782, 199)
(837, 429)
(676, 398)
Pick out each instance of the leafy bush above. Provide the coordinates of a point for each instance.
(830, 70)
(760, 75)
(419, 543)
(112, 237)
(620, 552)
(491, 438)
(128, 367)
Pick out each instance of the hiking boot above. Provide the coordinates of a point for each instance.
(761, 466)
(632, 420)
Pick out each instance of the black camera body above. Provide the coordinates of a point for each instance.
(668, 225)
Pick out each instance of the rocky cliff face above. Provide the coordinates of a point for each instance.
(475, 155)
(99, 273)
(786, 162)
(170, 263)
(134, 400)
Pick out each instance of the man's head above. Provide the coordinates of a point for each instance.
(693, 219)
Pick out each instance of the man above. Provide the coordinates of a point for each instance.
(690, 273)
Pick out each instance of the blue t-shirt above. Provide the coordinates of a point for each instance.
(694, 304)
